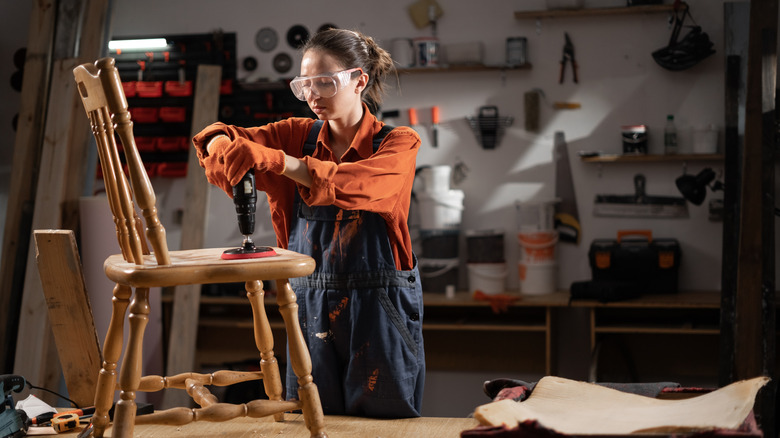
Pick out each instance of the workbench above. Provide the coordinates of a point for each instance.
(524, 338)
(293, 427)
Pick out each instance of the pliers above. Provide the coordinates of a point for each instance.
(568, 56)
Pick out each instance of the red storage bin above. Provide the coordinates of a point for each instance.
(146, 144)
(226, 87)
(129, 88)
(149, 88)
(172, 169)
(145, 115)
(178, 89)
(172, 144)
(173, 114)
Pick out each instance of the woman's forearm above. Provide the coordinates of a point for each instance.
(297, 171)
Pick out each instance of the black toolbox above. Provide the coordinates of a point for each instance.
(637, 259)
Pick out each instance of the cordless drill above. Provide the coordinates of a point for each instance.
(13, 422)
(245, 199)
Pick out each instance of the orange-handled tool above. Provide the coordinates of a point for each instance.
(435, 121)
(412, 116)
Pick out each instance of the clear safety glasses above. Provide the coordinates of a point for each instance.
(326, 85)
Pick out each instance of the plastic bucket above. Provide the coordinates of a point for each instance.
(537, 247)
(437, 274)
(488, 278)
(440, 244)
(435, 179)
(535, 216)
(537, 278)
(440, 210)
(485, 246)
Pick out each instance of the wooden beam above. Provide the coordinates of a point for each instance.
(34, 337)
(24, 173)
(755, 302)
(69, 311)
(186, 300)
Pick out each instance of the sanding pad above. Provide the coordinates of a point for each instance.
(255, 252)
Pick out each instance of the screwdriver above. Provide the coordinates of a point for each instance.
(435, 121)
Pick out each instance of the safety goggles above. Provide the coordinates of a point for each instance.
(326, 85)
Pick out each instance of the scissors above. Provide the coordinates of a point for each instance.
(568, 56)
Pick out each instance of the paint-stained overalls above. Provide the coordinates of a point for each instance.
(362, 318)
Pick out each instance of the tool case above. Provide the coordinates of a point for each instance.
(636, 258)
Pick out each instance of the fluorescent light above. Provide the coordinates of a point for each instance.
(140, 44)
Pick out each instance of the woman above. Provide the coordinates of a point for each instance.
(339, 190)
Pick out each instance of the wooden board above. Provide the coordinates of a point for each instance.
(34, 337)
(69, 312)
(21, 192)
(184, 320)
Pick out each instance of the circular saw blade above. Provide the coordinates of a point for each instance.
(282, 63)
(297, 36)
(266, 39)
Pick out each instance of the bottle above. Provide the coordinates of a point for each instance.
(670, 136)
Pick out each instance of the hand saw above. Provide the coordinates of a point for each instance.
(567, 219)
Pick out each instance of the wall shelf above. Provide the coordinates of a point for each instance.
(592, 12)
(463, 68)
(651, 158)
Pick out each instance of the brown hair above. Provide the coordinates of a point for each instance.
(353, 49)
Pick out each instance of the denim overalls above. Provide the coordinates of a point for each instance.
(361, 317)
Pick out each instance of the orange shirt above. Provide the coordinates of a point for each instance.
(379, 182)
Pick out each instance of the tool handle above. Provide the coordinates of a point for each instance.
(574, 71)
(412, 116)
(623, 233)
(435, 114)
(11, 382)
(560, 75)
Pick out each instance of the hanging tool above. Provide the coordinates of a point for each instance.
(435, 121)
(567, 218)
(13, 422)
(568, 57)
(245, 199)
(412, 117)
(640, 204)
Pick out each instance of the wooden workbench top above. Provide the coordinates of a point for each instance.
(293, 427)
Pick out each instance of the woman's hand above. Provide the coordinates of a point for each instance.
(242, 155)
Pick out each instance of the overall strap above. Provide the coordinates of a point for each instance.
(311, 140)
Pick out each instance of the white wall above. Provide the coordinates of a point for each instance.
(619, 84)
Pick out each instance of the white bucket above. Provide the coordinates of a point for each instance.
(435, 179)
(537, 278)
(488, 278)
(440, 210)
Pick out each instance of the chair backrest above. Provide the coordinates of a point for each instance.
(104, 101)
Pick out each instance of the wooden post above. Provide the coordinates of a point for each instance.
(69, 312)
(34, 337)
(58, 181)
(186, 299)
(754, 324)
(24, 173)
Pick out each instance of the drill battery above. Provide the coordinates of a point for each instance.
(637, 260)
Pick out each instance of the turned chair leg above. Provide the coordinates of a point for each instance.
(130, 374)
(264, 340)
(300, 360)
(112, 349)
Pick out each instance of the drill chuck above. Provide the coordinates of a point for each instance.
(245, 199)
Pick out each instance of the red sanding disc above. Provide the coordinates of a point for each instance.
(241, 253)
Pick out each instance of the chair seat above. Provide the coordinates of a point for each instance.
(204, 266)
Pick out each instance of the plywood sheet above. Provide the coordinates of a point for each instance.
(573, 407)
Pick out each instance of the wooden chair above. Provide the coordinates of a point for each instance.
(135, 270)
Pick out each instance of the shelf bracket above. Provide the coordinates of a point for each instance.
(538, 26)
